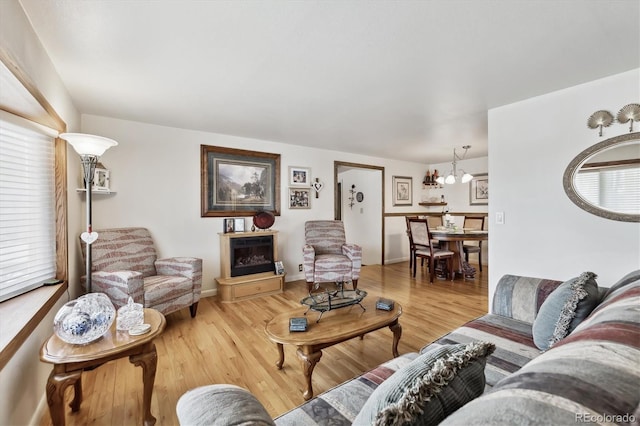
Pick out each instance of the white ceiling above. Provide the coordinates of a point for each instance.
(396, 79)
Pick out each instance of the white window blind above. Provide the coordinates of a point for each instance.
(614, 188)
(27, 208)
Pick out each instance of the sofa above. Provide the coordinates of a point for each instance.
(588, 370)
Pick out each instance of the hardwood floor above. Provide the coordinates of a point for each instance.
(226, 343)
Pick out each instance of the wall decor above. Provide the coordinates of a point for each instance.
(237, 182)
(228, 225)
(299, 198)
(299, 176)
(352, 196)
(479, 190)
(238, 224)
(317, 186)
(402, 191)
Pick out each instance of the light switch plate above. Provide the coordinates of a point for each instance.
(499, 218)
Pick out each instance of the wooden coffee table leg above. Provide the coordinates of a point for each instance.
(308, 359)
(396, 328)
(56, 385)
(280, 360)
(148, 360)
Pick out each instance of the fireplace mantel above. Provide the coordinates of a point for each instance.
(232, 289)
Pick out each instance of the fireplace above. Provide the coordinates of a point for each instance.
(251, 255)
(246, 265)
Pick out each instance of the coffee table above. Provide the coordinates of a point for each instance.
(336, 326)
(69, 361)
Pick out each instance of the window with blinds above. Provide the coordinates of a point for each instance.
(27, 208)
(612, 188)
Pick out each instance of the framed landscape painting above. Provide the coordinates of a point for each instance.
(237, 182)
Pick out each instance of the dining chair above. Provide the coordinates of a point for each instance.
(434, 223)
(474, 223)
(409, 237)
(421, 246)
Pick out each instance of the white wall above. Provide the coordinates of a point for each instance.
(23, 379)
(155, 171)
(530, 145)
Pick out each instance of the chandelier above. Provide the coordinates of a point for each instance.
(453, 175)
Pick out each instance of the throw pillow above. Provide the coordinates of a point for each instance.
(430, 388)
(564, 309)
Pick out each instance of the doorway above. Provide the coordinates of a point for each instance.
(359, 203)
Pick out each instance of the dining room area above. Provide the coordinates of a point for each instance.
(447, 246)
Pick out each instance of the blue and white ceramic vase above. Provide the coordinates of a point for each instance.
(84, 319)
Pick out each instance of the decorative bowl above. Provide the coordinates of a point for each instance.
(84, 319)
(264, 220)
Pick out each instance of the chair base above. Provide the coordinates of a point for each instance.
(311, 286)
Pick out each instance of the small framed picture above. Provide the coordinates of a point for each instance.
(229, 225)
(238, 224)
(279, 267)
(479, 190)
(299, 176)
(101, 179)
(299, 198)
(402, 191)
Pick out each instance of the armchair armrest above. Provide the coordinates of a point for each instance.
(308, 260)
(118, 286)
(354, 253)
(221, 405)
(520, 297)
(188, 267)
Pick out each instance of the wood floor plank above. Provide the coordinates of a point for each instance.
(226, 343)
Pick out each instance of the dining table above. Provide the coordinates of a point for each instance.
(452, 239)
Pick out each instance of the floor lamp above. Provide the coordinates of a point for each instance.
(90, 148)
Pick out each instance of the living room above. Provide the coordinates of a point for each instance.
(530, 144)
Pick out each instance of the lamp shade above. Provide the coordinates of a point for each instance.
(85, 144)
(450, 179)
(466, 177)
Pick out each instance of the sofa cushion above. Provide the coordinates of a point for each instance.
(204, 406)
(430, 388)
(564, 309)
(340, 405)
(513, 340)
(624, 281)
(591, 376)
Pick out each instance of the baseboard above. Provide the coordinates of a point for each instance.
(209, 293)
(41, 410)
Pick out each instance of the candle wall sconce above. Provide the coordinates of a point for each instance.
(352, 196)
(317, 186)
(627, 114)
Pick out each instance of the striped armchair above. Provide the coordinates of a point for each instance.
(327, 256)
(124, 263)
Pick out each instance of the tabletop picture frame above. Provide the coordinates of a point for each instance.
(101, 179)
(238, 182)
(299, 176)
(402, 191)
(479, 190)
(228, 225)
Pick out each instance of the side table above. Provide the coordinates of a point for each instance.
(69, 361)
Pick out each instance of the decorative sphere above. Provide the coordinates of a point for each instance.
(84, 319)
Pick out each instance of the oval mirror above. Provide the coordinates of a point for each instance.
(604, 179)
